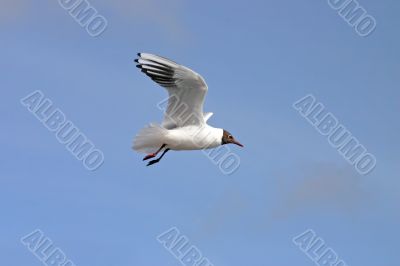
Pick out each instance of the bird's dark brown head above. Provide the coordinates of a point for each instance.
(228, 138)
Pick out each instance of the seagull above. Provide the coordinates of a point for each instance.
(184, 126)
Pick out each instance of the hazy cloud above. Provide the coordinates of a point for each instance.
(323, 188)
(165, 14)
(13, 10)
(315, 189)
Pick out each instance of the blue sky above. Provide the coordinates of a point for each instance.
(258, 57)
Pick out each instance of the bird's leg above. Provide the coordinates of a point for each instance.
(159, 158)
(152, 155)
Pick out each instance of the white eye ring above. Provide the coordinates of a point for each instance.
(230, 136)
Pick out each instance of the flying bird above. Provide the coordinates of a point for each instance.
(185, 125)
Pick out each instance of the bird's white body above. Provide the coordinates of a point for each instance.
(194, 138)
(150, 138)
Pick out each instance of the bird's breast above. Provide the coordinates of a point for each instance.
(193, 138)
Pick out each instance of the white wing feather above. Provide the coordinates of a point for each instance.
(186, 89)
(207, 116)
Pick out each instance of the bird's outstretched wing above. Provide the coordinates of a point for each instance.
(186, 90)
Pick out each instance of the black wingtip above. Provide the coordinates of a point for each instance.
(136, 60)
(139, 54)
(139, 66)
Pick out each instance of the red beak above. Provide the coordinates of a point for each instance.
(237, 143)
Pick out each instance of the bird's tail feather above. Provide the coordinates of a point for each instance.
(150, 138)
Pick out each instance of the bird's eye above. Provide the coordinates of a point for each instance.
(230, 136)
